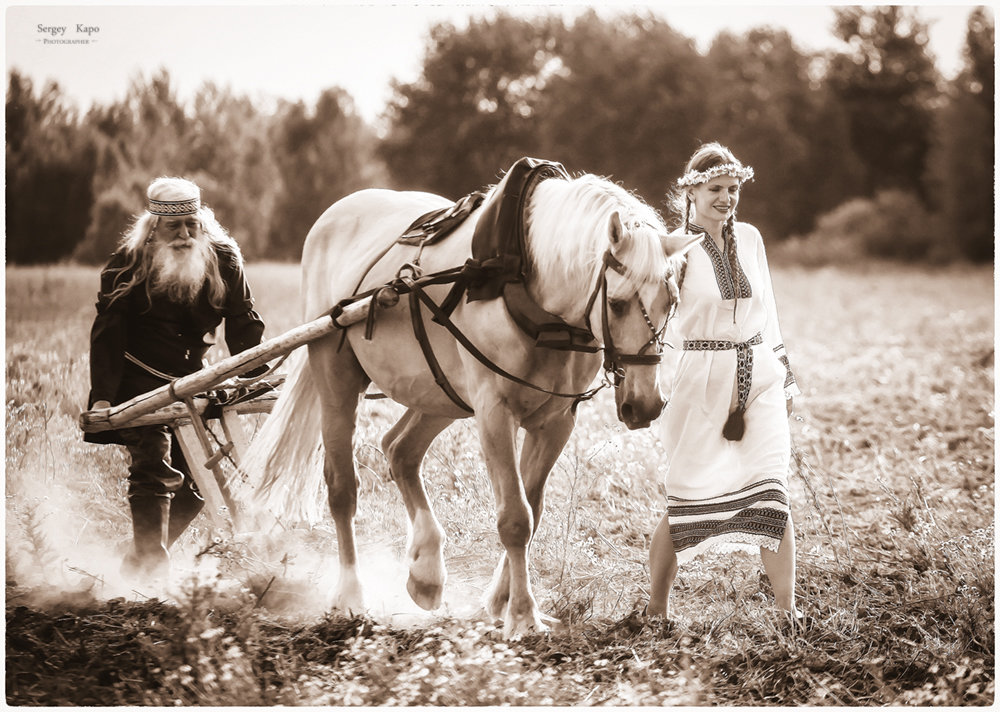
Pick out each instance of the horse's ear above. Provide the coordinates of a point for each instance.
(676, 245)
(617, 229)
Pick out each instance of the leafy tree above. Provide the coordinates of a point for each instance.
(50, 164)
(628, 101)
(321, 156)
(886, 81)
(110, 216)
(473, 111)
(230, 157)
(963, 166)
(768, 108)
(219, 140)
(980, 41)
(137, 139)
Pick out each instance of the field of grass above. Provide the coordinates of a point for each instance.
(893, 499)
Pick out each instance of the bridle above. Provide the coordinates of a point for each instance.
(613, 358)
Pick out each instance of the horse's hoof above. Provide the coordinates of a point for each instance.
(532, 625)
(425, 595)
(496, 608)
(348, 610)
(549, 620)
(348, 605)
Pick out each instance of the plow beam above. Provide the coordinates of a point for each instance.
(135, 411)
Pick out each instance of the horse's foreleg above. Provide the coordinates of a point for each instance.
(542, 446)
(497, 431)
(405, 445)
(340, 380)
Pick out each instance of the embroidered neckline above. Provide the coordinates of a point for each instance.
(732, 280)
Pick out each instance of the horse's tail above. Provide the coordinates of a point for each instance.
(282, 469)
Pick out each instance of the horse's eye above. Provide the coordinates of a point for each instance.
(618, 306)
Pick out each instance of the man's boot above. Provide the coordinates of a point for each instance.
(184, 507)
(148, 558)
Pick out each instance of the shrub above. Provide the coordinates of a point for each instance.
(111, 216)
(892, 225)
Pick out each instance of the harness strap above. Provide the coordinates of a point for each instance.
(461, 277)
(439, 317)
(455, 295)
(613, 358)
(425, 346)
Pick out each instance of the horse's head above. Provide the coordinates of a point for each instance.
(636, 294)
(591, 234)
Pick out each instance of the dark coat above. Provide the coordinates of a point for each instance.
(165, 335)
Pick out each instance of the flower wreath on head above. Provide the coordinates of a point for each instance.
(736, 170)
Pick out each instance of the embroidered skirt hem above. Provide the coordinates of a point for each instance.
(756, 515)
(738, 541)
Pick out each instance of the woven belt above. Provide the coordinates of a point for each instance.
(744, 362)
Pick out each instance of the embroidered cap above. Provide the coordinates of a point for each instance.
(167, 197)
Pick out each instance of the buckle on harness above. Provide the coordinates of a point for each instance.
(409, 271)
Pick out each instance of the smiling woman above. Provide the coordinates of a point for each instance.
(725, 430)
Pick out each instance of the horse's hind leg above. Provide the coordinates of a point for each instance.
(340, 380)
(405, 445)
(542, 446)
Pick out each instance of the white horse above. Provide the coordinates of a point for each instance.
(581, 235)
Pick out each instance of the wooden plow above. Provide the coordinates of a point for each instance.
(189, 405)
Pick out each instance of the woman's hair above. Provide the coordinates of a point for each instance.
(707, 156)
(136, 244)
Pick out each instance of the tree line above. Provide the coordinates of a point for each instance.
(871, 136)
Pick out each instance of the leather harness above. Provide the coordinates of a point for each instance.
(498, 269)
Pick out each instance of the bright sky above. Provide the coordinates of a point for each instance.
(296, 51)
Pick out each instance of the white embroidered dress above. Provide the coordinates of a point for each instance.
(719, 491)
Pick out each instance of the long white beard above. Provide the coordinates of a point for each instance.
(180, 274)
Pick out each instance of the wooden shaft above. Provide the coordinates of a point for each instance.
(93, 422)
(126, 414)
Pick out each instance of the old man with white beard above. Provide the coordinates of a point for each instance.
(174, 278)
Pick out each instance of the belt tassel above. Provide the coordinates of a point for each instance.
(735, 425)
(736, 422)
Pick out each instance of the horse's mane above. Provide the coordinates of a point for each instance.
(567, 229)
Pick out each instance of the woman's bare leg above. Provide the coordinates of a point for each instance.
(780, 569)
(662, 569)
